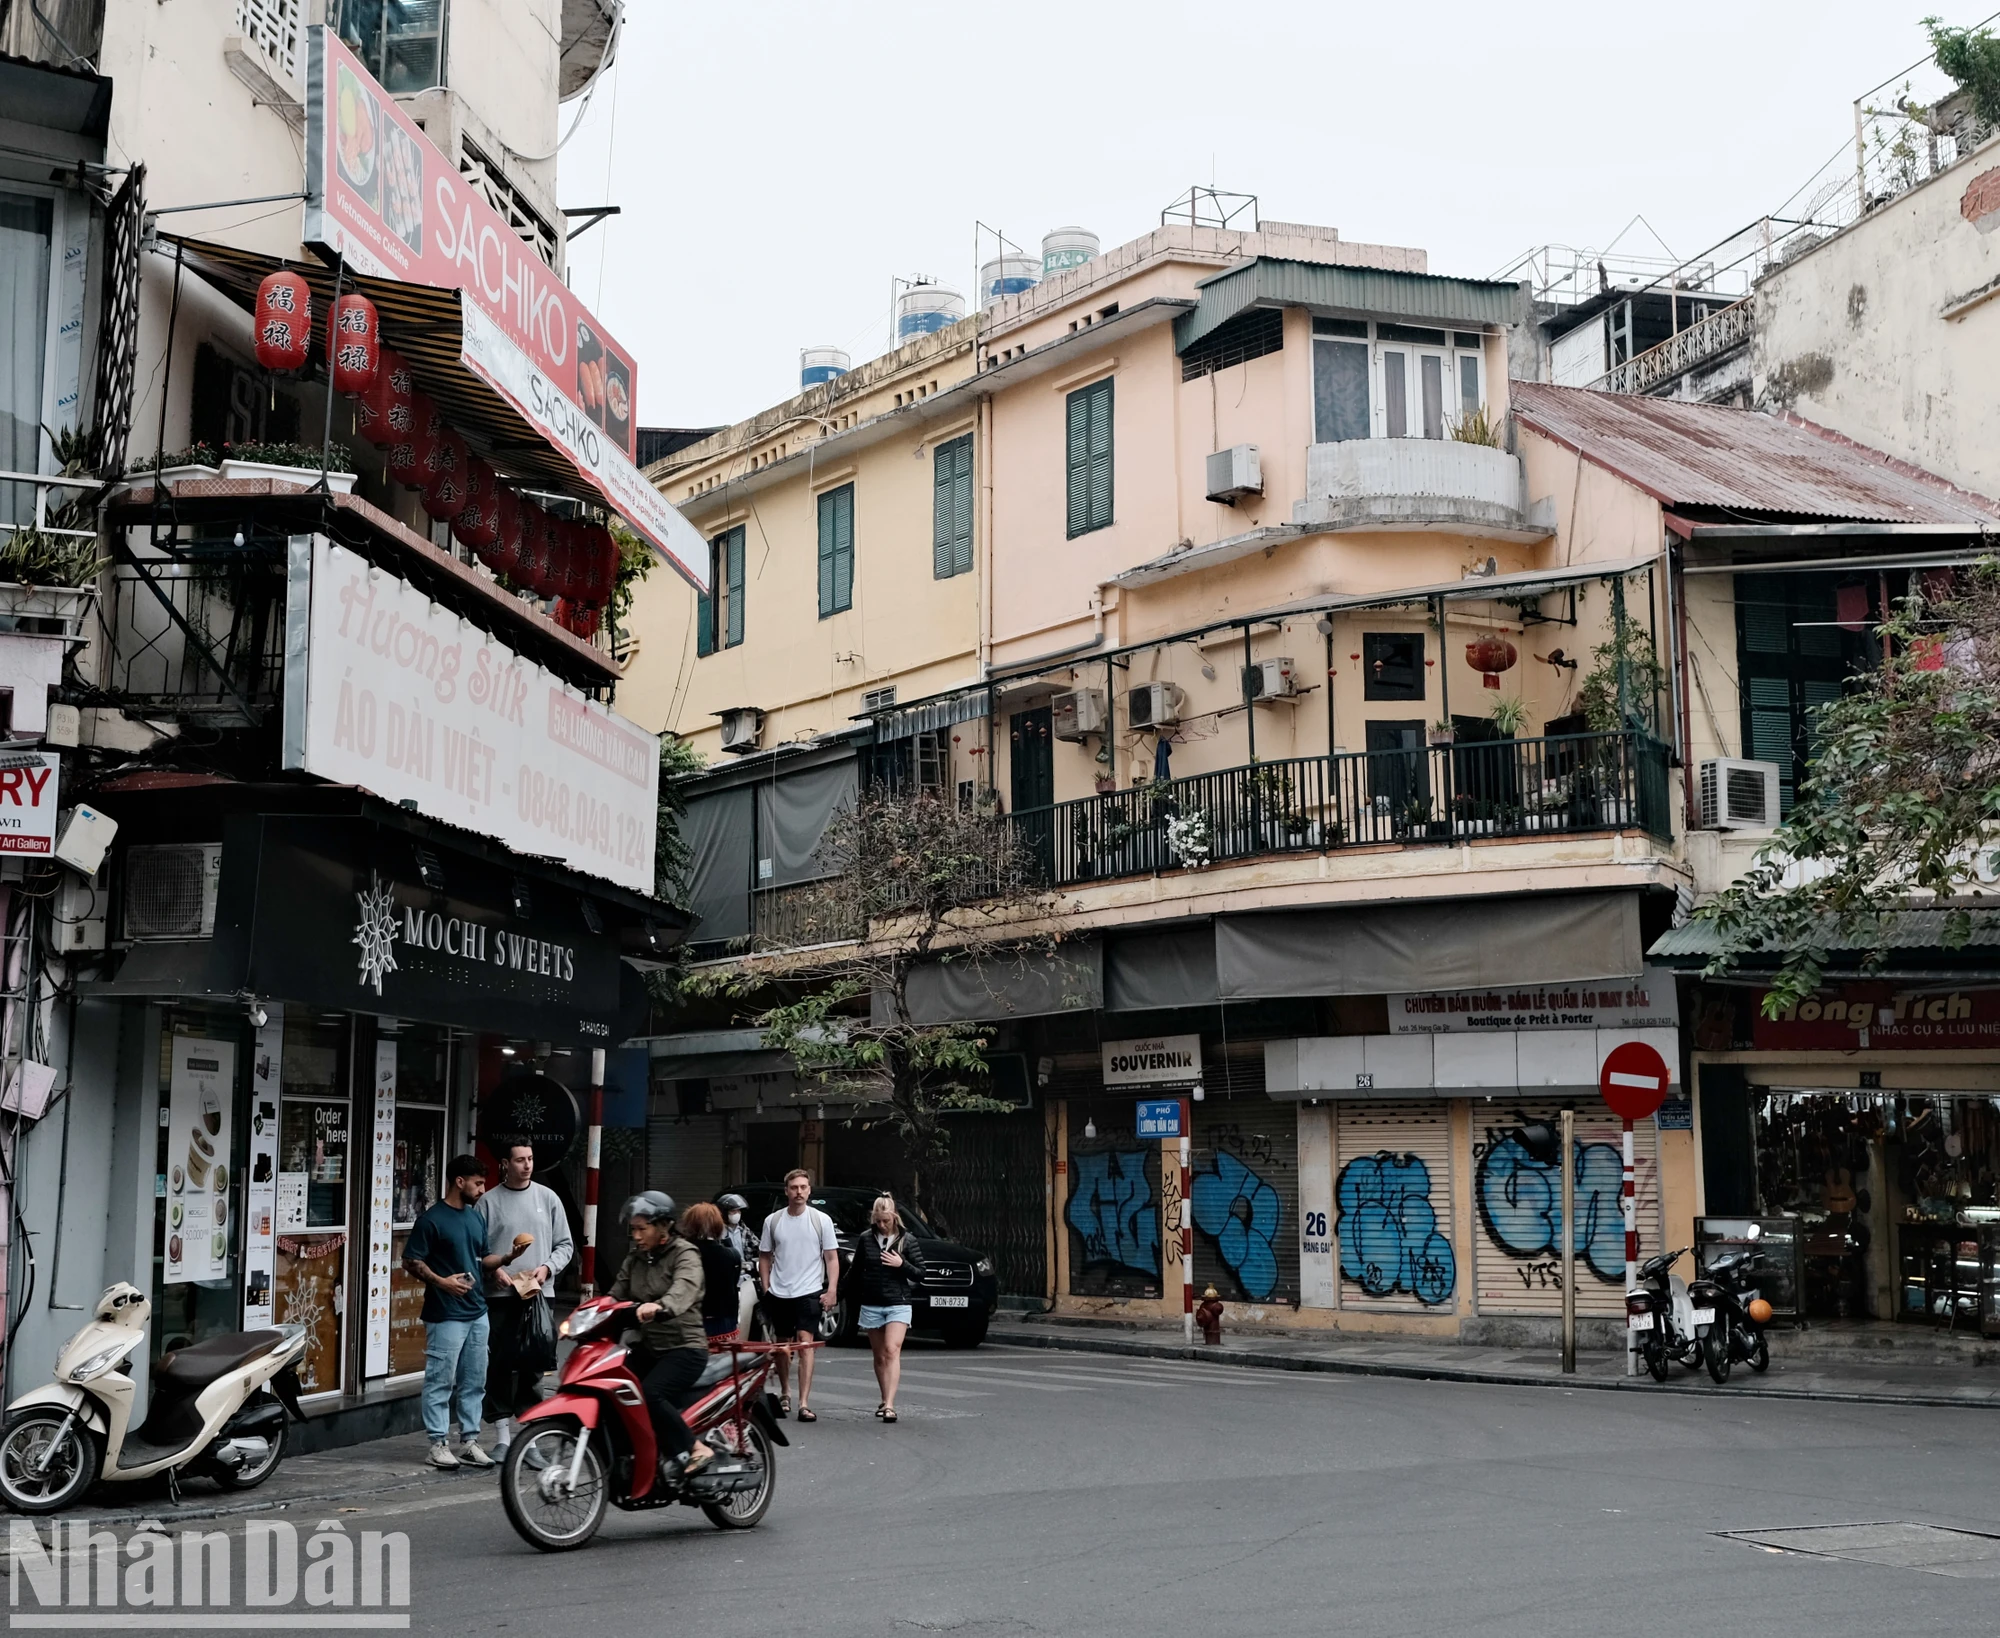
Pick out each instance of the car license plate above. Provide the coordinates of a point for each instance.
(1639, 1322)
(951, 1302)
(1703, 1316)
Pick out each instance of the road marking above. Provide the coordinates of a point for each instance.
(1095, 1380)
(1033, 1387)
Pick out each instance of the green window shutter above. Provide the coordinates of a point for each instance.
(704, 603)
(733, 577)
(1089, 457)
(826, 604)
(836, 550)
(951, 508)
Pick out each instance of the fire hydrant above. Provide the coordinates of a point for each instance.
(1209, 1316)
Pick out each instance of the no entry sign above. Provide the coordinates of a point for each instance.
(1633, 1080)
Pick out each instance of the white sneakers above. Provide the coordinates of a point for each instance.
(470, 1455)
(441, 1455)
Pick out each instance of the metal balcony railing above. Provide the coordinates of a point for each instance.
(200, 638)
(1708, 337)
(1440, 794)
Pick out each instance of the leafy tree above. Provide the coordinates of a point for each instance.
(1902, 803)
(1971, 57)
(672, 858)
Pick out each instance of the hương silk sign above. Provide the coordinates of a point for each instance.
(405, 699)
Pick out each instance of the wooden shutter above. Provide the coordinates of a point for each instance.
(951, 508)
(1089, 457)
(961, 513)
(704, 605)
(733, 577)
(1100, 455)
(942, 490)
(836, 550)
(1392, 1208)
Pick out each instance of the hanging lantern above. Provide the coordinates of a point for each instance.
(354, 345)
(528, 563)
(444, 476)
(548, 558)
(385, 413)
(477, 524)
(576, 563)
(409, 455)
(284, 321)
(505, 552)
(609, 560)
(1491, 655)
(577, 618)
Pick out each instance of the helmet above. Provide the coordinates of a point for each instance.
(732, 1202)
(655, 1205)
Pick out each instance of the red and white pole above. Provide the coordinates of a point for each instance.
(1187, 1227)
(1628, 1204)
(594, 1155)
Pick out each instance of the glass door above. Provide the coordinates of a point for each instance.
(422, 1126)
(315, 1148)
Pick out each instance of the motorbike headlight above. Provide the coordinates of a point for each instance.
(100, 1362)
(983, 1267)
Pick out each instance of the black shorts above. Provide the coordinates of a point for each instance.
(788, 1316)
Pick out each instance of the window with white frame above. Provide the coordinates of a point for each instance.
(44, 251)
(1377, 379)
(401, 42)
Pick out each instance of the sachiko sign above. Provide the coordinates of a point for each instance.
(405, 699)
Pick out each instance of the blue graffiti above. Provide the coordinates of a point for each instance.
(1389, 1237)
(1241, 1213)
(1111, 1206)
(1520, 1200)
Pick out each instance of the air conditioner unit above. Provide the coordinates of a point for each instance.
(879, 699)
(1270, 680)
(742, 728)
(1234, 473)
(170, 891)
(1072, 716)
(1739, 795)
(1155, 705)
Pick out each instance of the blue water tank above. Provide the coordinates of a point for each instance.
(926, 307)
(817, 364)
(1008, 276)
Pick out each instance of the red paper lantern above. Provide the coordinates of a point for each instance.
(1491, 654)
(578, 618)
(284, 321)
(504, 555)
(477, 524)
(354, 345)
(527, 570)
(385, 414)
(575, 570)
(605, 581)
(409, 455)
(547, 567)
(444, 496)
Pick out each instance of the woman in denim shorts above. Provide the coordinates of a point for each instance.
(887, 1267)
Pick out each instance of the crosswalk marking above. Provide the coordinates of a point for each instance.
(1095, 1381)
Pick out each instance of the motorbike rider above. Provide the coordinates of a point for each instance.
(741, 1239)
(662, 1274)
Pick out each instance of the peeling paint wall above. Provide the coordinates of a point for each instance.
(1889, 332)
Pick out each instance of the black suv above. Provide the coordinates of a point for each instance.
(959, 1290)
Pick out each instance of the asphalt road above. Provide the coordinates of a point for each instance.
(1038, 1492)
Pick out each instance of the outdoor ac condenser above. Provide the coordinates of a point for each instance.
(1270, 680)
(742, 728)
(1234, 473)
(170, 891)
(1073, 716)
(1155, 705)
(1738, 795)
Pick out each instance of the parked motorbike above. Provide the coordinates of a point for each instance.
(218, 1408)
(590, 1444)
(1670, 1324)
(1740, 1313)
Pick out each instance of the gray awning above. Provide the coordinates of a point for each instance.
(1152, 972)
(793, 812)
(699, 1054)
(719, 832)
(928, 716)
(1274, 281)
(1034, 984)
(1545, 938)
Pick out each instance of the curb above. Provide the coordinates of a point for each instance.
(1243, 1359)
(166, 1512)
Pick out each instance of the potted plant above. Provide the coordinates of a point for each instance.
(296, 465)
(196, 461)
(1507, 717)
(1442, 732)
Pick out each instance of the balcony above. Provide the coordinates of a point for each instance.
(1416, 483)
(1564, 785)
(1703, 342)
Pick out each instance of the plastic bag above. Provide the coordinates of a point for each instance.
(535, 1340)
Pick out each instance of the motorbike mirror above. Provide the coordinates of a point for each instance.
(1542, 1141)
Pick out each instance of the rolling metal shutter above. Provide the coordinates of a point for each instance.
(684, 1156)
(1517, 1210)
(1392, 1199)
(1246, 1194)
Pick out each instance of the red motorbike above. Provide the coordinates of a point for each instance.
(590, 1445)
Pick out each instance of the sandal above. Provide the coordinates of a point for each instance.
(888, 1414)
(692, 1464)
(806, 1415)
(785, 1406)
(879, 1409)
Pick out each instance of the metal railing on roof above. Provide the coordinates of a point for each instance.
(1709, 337)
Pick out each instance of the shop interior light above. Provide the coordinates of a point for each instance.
(1089, 1127)
(506, 1052)
(1200, 1091)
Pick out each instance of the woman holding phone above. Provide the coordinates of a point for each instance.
(887, 1266)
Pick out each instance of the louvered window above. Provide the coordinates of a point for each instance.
(836, 550)
(1248, 335)
(951, 508)
(719, 610)
(1089, 458)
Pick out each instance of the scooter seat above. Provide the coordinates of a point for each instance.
(200, 1363)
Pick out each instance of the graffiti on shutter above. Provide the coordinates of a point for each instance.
(1392, 1208)
(1113, 1213)
(1517, 1211)
(1244, 1198)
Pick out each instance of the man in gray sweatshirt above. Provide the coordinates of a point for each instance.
(519, 1207)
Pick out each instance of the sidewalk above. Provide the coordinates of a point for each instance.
(1881, 1368)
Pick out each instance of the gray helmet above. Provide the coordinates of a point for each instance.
(732, 1202)
(655, 1205)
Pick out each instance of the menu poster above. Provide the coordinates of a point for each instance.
(260, 1206)
(381, 1191)
(200, 1094)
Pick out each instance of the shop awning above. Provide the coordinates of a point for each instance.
(1032, 984)
(457, 355)
(1903, 935)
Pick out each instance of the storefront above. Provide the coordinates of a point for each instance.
(377, 993)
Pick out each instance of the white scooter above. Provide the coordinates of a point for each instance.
(218, 1408)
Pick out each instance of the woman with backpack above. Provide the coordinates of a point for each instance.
(887, 1265)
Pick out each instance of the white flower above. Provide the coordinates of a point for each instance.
(1187, 839)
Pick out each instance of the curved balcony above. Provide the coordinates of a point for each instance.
(1415, 483)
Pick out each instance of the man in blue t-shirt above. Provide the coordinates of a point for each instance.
(447, 1251)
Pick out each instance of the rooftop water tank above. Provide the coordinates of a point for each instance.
(817, 364)
(1065, 247)
(1007, 276)
(926, 307)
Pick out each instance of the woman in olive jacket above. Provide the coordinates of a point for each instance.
(887, 1266)
(662, 1274)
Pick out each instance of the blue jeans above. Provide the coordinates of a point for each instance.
(454, 1359)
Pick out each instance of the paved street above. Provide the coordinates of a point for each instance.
(1036, 1491)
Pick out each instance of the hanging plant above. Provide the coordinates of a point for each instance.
(1188, 840)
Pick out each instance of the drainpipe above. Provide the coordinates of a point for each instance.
(1677, 591)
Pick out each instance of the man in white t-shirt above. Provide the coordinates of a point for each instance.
(798, 1262)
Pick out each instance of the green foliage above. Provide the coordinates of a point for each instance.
(636, 559)
(1902, 803)
(1629, 649)
(1971, 57)
(1476, 427)
(1508, 715)
(46, 556)
(193, 455)
(339, 458)
(671, 855)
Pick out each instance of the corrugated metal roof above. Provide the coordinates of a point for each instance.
(1705, 455)
(1276, 282)
(1900, 930)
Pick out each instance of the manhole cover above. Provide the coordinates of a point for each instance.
(1931, 1548)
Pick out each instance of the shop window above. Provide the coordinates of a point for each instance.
(1392, 665)
(315, 1140)
(26, 234)
(400, 42)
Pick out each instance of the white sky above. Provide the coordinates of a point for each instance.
(778, 162)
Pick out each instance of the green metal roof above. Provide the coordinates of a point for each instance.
(1899, 930)
(1271, 281)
